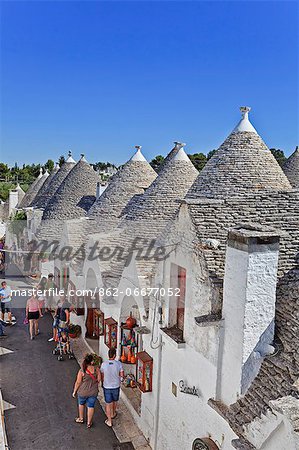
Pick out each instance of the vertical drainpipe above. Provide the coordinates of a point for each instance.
(157, 410)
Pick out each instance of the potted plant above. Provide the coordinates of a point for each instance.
(74, 331)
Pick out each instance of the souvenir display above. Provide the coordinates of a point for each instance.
(144, 371)
(111, 332)
(129, 341)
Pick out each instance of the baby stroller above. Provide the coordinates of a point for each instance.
(63, 347)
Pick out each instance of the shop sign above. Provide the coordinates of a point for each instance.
(185, 389)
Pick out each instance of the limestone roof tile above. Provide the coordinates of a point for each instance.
(132, 179)
(145, 220)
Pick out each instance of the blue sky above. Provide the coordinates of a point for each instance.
(100, 77)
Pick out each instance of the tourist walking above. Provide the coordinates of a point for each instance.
(112, 374)
(41, 292)
(5, 297)
(50, 292)
(33, 313)
(56, 319)
(65, 312)
(87, 388)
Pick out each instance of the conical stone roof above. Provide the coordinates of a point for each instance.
(39, 199)
(72, 200)
(291, 168)
(131, 179)
(56, 181)
(159, 203)
(33, 190)
(153, 211)
(243, 164)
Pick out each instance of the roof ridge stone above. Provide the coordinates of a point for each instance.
(177, 146)
(138, 156)
(70, 159)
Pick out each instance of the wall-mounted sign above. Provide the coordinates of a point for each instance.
(185, 389)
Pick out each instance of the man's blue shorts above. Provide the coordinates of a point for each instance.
(89, 401)
(5, 307)
(111, 395)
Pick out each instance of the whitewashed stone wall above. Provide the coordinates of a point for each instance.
(248, 309)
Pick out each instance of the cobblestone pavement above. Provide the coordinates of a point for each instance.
(40, 388)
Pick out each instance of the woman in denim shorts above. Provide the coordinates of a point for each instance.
(87, 387)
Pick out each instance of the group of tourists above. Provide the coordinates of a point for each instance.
(91, 375)
(109, 374)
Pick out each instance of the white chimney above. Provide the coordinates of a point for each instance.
(15, 197)
(248, 307)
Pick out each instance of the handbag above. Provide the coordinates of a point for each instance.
(25, 321)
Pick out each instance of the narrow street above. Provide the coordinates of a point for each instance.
(40, 388)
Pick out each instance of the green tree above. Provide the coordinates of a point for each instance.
(101, 166)
(210, 154)
(5, 187)
(49, 165)
(278, 155)
(199, 160)
(4, 171)
(157, 161)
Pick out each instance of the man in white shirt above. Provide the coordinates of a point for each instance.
(112, 374)
(5, 297)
